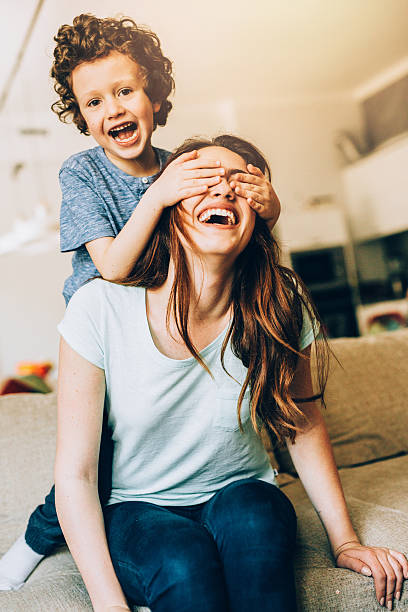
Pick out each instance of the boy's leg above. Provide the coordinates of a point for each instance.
(163, 560)
(17, 564)
(43, 533)
(254, 526)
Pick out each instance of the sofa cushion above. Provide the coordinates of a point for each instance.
(366, 400)
(377, 497)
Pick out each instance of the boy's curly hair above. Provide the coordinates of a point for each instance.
(90, 38)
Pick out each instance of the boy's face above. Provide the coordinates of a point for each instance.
(117, 111)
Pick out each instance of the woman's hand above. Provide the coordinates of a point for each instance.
(259, 193)
(387, 567)
(185, 177)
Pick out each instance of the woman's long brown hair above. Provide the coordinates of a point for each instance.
(269, 304)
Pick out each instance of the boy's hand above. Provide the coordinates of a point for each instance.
(185, 177)
(259, 193)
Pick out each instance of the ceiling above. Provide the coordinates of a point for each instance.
(267, 49)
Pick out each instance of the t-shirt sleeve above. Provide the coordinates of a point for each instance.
(309, 331)
(81, 326)
(83, 216)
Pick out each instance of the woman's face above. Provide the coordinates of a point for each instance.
(220, 222)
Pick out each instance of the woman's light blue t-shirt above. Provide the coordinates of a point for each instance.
(175, 429)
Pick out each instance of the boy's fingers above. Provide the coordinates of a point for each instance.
(206, 172)
(248, 187)
(194, 164)
(212, 180)
(251, 193)
(255, 205)
(189, 192)
(186, 157)
(248, 179)
(254, 170)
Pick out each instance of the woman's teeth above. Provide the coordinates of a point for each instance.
(124, 133)
(221, 216)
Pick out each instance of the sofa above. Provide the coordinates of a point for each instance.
(367, 417)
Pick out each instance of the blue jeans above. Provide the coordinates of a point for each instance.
(233, 553)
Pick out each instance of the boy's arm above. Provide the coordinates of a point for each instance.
(81, 391)
(186, 176)
(313, 458)
(115, 258)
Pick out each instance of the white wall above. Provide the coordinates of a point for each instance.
(31, 305)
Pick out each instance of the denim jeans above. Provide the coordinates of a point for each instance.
(233, 553)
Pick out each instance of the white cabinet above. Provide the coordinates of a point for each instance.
(376, 192)
(313, 228)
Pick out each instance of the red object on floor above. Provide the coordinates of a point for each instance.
(25, 384)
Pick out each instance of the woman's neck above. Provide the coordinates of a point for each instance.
(210, 291)
(209, 310)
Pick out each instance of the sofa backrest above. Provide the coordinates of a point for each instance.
(366, 399)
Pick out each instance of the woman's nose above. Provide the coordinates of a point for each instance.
(223, 188)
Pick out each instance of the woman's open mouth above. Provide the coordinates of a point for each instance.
(125, 133)
(219, 216)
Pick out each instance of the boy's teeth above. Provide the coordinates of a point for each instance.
(125, 136)
(125, 132)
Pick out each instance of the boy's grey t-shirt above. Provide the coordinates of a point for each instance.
(97, 200)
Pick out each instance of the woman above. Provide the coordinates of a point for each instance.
(208, 342)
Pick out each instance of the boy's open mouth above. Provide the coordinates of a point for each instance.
(220, 216)
(124, 133)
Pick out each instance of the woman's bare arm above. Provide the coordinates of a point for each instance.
(81, 392)
(313, 458)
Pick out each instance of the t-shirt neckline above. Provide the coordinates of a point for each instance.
(177, 363)
(126, 175)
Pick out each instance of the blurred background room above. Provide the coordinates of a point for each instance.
(320, 86)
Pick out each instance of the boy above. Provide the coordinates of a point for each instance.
(113, 81)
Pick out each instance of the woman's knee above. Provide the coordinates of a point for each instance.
(165, 558)
(254, 505)
(191, 558)
(187, 576)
